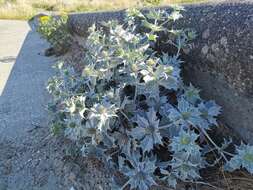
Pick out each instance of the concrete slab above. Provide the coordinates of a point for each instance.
(10, 46)
(23, 74)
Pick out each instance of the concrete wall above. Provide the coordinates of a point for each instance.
(220, 61)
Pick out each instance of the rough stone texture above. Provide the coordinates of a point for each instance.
(220, 61)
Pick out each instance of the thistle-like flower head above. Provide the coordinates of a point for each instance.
(209, 111)
(186, 114)
(243, 158)
(141, 175)
(147, 130)
(185, 141)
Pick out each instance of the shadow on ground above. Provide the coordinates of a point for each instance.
(23, 73)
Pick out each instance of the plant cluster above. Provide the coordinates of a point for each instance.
(55, 31)
(130, 102)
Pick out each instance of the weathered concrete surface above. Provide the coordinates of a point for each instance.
(23, 97)
(9, 51)
(221, 60)
(23, 74)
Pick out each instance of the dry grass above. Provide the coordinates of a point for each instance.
(25, 9)
(15, 10)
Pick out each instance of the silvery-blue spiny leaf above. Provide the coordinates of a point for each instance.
(165, 109)
(175, 15)
(103, 113)
(149, 89)
(133, 12)
(164, 75)
(172, 130)
(191, 34)
(183, 168)
(91, 130)
(171, 76)
(76, 105)
(120, 32)
(147, 130)
(141, 175)
(191, 94)
(226, 143)
(151, 37)
(124, 141)
(90, 71)
(169, 178)
(210, 110)
(157, 103)
(54, 87)
(187, 159)
(186, 114)
(151, 26)
(170, 60)
(243, 158)
(94, 36)
(155, 14)
(113, 184)
(185, 141)
(74, 130)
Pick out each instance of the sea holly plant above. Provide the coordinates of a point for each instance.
(139, 169)
(129, 104)
(244, 159)
(187, 159)
(147, 132)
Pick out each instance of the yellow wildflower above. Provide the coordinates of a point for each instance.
(44, 19)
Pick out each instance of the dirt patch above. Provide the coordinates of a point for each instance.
(43, 163)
